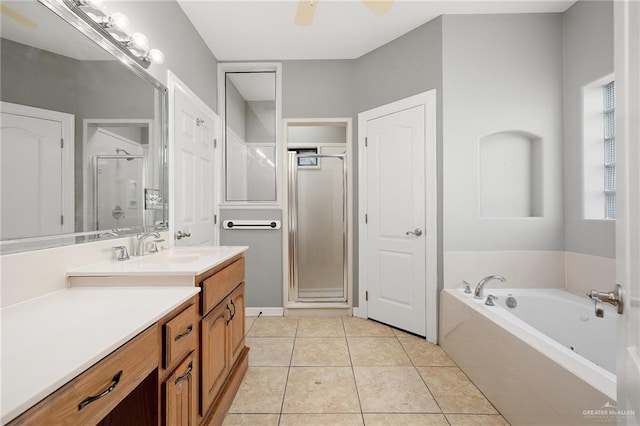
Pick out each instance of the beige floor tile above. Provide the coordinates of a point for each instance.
(248, 322)
(321, 390)
(320, 351)
(270, 351)
(393, 390)
(366, 328)
(320, 327)
(377, 351)
(425, 354)
(251, 420)
(454, 392)
(405, 419)
(476, 420)
(321, 420)
(261, 391)
(274, 327)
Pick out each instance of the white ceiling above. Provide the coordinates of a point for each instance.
(255, 86)
(241, 30)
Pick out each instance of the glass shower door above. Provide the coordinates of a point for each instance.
(317, 227)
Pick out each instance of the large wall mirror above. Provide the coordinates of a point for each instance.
(83, 134)
(251, 132)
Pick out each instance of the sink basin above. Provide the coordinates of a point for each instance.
(170, 258)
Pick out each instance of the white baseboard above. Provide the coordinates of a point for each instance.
(266, 312)
(356, 313)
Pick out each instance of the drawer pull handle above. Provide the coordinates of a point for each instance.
(112, 386)
(186, 375)
(230, 315)
(185, 334)
(234, 309)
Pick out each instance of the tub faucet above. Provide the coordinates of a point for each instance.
(477, 294)
(139, 249)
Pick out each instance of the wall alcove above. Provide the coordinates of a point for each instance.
(510, 175)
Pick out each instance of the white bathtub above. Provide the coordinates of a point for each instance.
(548, 361)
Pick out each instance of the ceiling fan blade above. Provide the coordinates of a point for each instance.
(18, 17)
(378, 7)
(305, 12)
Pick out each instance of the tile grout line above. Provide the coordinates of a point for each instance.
(353, 372)
(286, 383)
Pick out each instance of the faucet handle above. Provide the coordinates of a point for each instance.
(154, 245)
(490, 299)
(467, 287)
(123, 253)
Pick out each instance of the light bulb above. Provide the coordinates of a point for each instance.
(156, 56)
(140, 41)
(120, 22)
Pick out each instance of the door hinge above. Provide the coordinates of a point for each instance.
(366, 295)
(366, 141)
(215, 143)
(61, 143)
(215, 219)
(366, 218)
(61, 220)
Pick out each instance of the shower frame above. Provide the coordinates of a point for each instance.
(315, 305)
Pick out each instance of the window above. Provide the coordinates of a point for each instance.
(599, 149)
(609, 96)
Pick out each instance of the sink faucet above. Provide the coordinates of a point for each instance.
(478, 291)
(139, 249)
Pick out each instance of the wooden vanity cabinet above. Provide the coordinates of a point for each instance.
(224, 356)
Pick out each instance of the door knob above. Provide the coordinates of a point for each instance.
(417, 232)
(180, 235)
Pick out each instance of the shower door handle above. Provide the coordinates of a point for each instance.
(417, 232)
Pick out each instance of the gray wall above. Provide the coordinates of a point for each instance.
(263, 259)
(234, 110)
(501, 73)
(186, 54)
(588, 56)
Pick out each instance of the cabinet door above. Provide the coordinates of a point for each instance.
(236, 326)
(180, 394)
(215, 354)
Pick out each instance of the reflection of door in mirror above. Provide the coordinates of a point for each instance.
(250, 115)
(37, 188)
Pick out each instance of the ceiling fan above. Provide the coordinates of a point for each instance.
(307, 8)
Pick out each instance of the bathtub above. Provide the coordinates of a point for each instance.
(547, 361)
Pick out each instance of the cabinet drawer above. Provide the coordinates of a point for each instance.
(180, 394)
(218, 286)
(90, 396)
(180, 336)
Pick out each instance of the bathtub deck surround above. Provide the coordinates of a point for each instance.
(351, 371)
(532, 370)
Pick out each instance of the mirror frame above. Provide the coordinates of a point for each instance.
(230, 67)
(71, 14)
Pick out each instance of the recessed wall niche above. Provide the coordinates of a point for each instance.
(510, 175)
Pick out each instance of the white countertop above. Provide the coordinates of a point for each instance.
(49, 340)
(177, 261)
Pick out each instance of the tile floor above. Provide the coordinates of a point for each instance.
(350, 371)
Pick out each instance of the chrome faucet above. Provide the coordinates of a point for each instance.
(139, 249)
(477, 294)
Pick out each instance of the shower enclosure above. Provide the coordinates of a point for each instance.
(317, 193)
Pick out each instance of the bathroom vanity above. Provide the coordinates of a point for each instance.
(150, 341)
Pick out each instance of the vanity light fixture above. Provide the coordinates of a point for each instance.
(116, 28)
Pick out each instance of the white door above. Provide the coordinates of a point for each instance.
(627, 69)
(399, 202)
(193, 136)
(34, 189)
